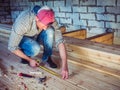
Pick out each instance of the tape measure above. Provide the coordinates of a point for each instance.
(49, 70)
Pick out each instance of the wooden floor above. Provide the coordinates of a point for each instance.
(80, 77)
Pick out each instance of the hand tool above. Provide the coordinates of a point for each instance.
(26, 75)
(49, 70)
(41, 79)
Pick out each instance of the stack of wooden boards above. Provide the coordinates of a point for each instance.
(92, 66)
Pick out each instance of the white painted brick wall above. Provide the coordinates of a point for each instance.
(72, 27)
(66, 20)
(113, 25)
(96, 23)
(96, 9)
(106, 2)
(59, 14)
(87, 2)
(55, 9)
(87, 16)
(95, 15)
(114, 10)
(96, 30)
(50, 4)
(82, 23)
(106, 17)
(69, 2)
(60, 3)
(118, 2)
(75, 2)
(118, 18)
(65, 9)
(74, 16)
(79, 9)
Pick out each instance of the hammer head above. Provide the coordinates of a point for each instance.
(41, 80)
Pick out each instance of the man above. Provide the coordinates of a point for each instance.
(35, 27)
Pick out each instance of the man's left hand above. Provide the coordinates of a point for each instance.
(64, 74)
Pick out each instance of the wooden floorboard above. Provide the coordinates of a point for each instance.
(81, 78)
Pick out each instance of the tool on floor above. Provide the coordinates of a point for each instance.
(41, 79)
(26, 75)
(49, 70)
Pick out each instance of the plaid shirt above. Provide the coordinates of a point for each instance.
(25, 25)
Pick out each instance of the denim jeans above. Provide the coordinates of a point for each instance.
(31, 47)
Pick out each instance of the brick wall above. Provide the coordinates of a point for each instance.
(94, 15)
(5, 13)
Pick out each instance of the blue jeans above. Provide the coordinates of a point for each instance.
(31, 47)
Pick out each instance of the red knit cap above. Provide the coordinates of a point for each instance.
(46, 16)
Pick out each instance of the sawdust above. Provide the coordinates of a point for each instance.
(3, 69)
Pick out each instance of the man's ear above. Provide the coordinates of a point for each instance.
(36, 18)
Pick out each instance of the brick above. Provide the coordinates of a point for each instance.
(65, 9)
(96, 30)
(77, 21)
(87, 2)
(50, 3)
(118, 2)
(14, 4)
(59, 3)
(65, 21)
(39, 3)
(106, 2)
(72, 27)
(68, 3)
(114, 10)
(106, 17)
(96, 23)
(56, 9)
(87, 16)
(96, 9)
(59, 14)
(118, 18)
(75, 2)
(73, 15)
(23, 3)
(4, 13)
(113, 25)
(1, 17)
(79, 9)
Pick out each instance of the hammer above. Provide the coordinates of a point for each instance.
(41, 80)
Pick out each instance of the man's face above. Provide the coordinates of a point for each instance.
(40, 25)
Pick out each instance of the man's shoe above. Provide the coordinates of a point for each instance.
(23, 61)
(51, 63)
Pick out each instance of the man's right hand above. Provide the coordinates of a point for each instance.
(34, 63)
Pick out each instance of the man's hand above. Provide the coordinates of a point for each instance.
(64, 73)
(33, 63)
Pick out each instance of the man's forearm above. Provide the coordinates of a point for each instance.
(19, 53)
(63, 55)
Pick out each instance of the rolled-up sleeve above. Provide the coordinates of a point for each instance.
(58, 35)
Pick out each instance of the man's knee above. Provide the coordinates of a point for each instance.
(35, 50)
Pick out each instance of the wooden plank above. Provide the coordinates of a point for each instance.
(91, 55)
(93, 80)
(76, 34)
(78, 81)
(105, 38)
(13, 60)
(96, 54)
